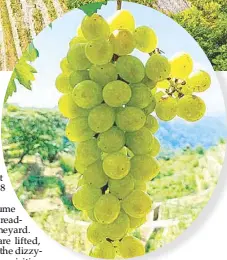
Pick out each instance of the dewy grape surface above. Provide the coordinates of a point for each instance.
(108, 97)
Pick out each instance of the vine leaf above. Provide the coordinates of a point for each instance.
(23, 72)
(31, 54)
(90, 9)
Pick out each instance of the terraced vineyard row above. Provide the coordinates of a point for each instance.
(20, 21)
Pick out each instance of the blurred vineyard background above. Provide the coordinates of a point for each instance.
(22, 20)
(40, 160)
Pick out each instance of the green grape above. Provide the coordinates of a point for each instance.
(116, 93)
(140, 185)
(121, 188)
(181, 65)
(191, 108)
(116, 246)
(76, 40)
(152, 124)
(99, 52)
(95, 27)
(146, 39)
(116, 165)
(81, 182)
(158, 68)
(137, 204)
(137, 222)
(131, 247)
(159, 95)
(103, 74)
(62, 83)
(77, 130)
(65, 66)
(156, 147)
(112, 140)
(107, 209)
(130, 68)
(144, 167)
(199, 81)
(122, 42)
(95, 176)
(80, 167)
(122, 19)
(90, 214)
(104, 250)
(140, 142)
(88, 152)
(69, 109)
(101, 118)
(77, 58)
(185, 88)
(78, 76)
(79, 31)
(119, 228)
(166, 108)
(96, 233)
(141, 96)
(124, 151)
(87, 94)
(154, 91)
(86, 197)
(164, 84)
(130, 119)
(149, 83)
(151, 107)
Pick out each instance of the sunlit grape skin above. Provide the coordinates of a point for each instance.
(166, 108)
(122, 19)
(130, 119)
(99, 52)
(107, 209)
(117, 93)
(103, 74)
(181, 65)
(122, 42)
(87, 94)
(95, 27)
(130, 69)
(77, 58)
(63, 84)
(158, 68)
(191, 108)
(145, 39)
(199, 81)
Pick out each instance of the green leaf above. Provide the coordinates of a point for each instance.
(31, 54)
(90, 9)
(24, 74)
(11, 87)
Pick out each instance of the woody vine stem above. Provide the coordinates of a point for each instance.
(119, 4)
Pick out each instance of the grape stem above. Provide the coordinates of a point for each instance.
(119, 4)
(104, 188)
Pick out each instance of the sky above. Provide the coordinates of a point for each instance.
(53, 45)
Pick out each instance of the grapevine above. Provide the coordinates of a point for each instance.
(110, 98)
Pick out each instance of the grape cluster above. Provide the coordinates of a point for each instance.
(109, 97)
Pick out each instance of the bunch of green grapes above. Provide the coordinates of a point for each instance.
(110, 97)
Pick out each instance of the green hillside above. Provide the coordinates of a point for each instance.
(40, 163)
